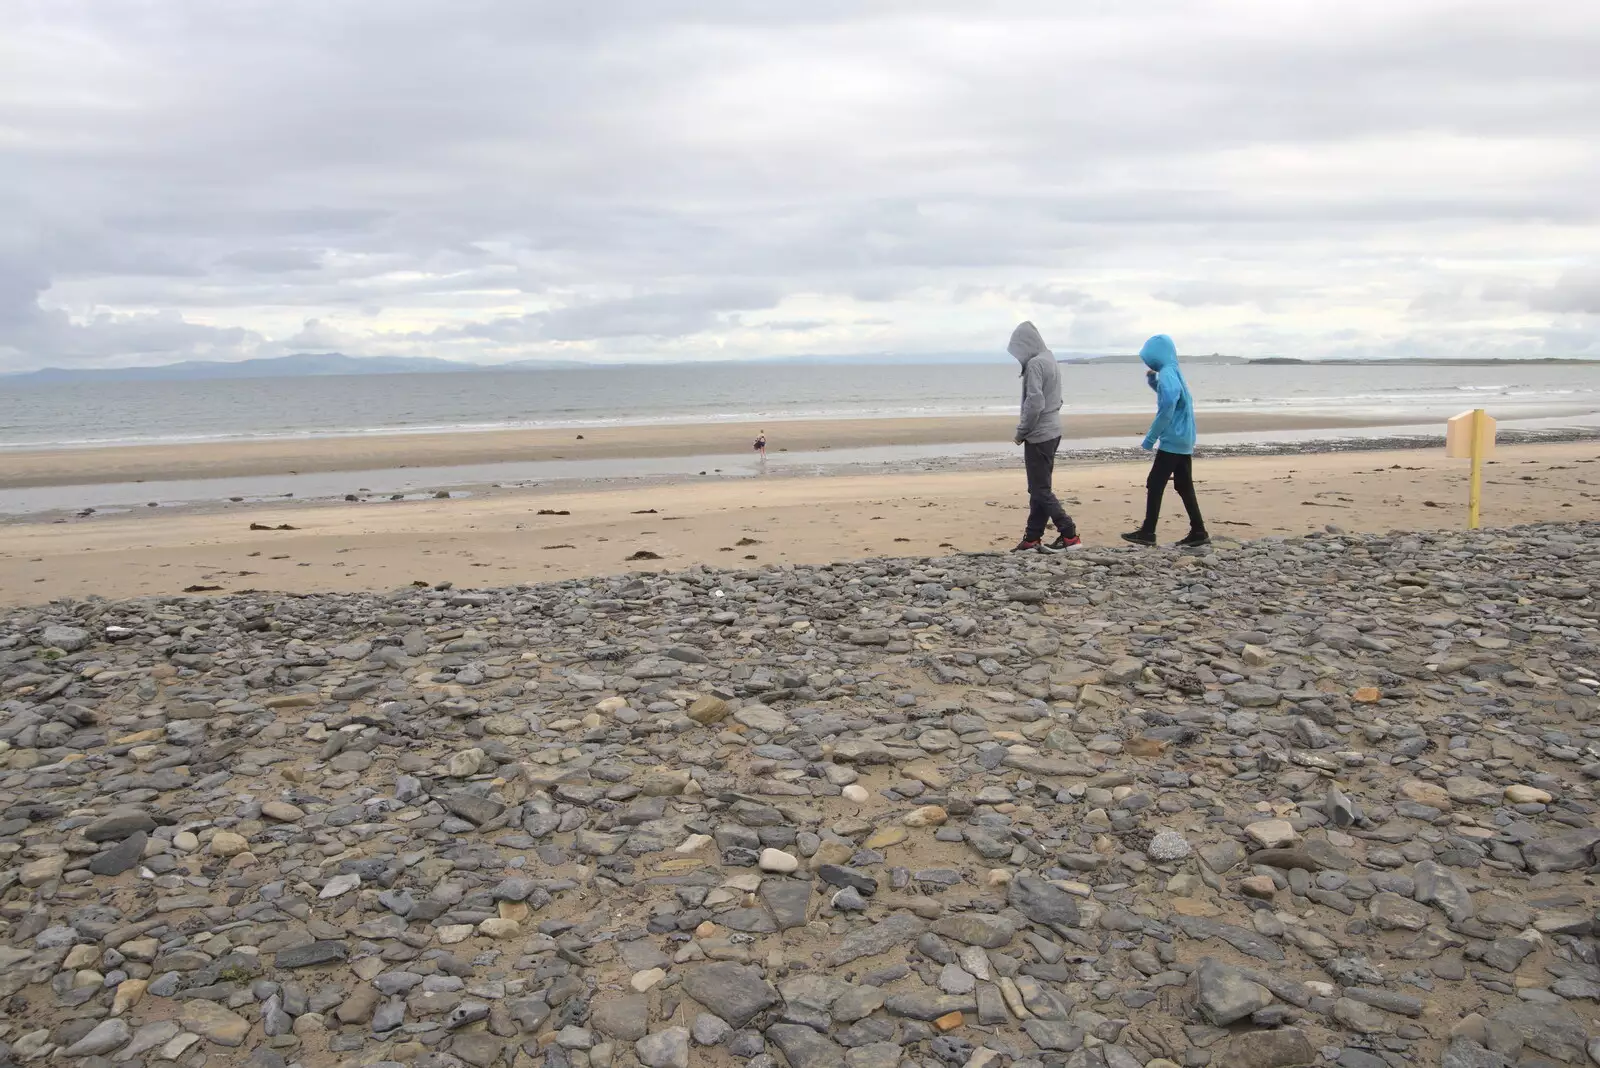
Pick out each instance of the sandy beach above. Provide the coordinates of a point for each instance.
(504, 539)
(148, 463)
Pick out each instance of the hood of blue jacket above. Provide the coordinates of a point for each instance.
(1026, 343)
(1159, 353)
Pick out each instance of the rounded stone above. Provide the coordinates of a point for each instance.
(776, 860)
(1167, 846)
(1258, 886)
(283, 812)
(926, 816)
(1426, 793)
(647, 979)
(498, 928)
(228, 844)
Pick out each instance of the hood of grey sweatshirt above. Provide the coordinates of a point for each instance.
(1026, 343)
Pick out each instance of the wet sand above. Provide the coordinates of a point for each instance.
(151, 463)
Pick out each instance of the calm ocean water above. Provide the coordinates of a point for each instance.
(32, 416)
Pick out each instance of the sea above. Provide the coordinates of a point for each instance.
(54, 415)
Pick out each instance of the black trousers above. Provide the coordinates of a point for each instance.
(1179, 470)
(1043, 506)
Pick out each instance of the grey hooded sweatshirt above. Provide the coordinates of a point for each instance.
(1041, 386)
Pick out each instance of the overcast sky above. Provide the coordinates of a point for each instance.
(491, 180)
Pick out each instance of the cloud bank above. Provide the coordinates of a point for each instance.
(492, 180)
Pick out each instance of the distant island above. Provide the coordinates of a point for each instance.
(1215, 359)
(1416, 361)
(328, 364)
(1219, 360)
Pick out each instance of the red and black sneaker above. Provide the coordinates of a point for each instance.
(1030, 545)
(1064, 544)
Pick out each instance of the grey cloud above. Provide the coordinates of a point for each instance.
(1201, 294)
(1576, 291)
(1504, 291)
(1061, 297)
(273, 260)
(662, 315)
(1050, 295)
(21, 284)
(510, 167)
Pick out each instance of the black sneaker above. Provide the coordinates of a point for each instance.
(1064, 544)
(1139, 537)
(1029, 545)
(1195, 539)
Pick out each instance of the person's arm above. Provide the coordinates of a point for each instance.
(1166, 406)
(1032, 399)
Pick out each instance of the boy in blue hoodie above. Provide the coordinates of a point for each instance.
(1172, 436)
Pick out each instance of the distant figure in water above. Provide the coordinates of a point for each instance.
(1171, 435)
(761, 447)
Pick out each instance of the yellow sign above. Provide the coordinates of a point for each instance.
(1469, 429)
(1470, 436)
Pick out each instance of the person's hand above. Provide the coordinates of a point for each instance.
(1016, 441)
(1147, 445)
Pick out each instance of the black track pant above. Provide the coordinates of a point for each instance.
(1043, 506)
(1179, 470)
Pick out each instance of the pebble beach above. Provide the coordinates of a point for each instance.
(1317, 798)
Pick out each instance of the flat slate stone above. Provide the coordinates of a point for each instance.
(1245, 941)
(474, 809)
(120, 857)
(119, 823)
(1054, 1035)
(747, 921)
(732, 991)
(1042, 902)
(311, 954)
(625, 1017)
(1284, 1047)
(839, 875)
(901, 927)
(788, 899)
(804, 1048)
(976, 929)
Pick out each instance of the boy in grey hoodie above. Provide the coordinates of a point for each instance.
(1039, 434)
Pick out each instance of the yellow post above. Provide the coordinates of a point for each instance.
(1470, 436)
(1475, 490)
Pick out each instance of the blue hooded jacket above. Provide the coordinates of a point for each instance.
(1173, 429)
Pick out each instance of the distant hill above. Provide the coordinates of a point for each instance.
(1216, 359)
(302, 365)
(1414, 361)
(534, 365)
